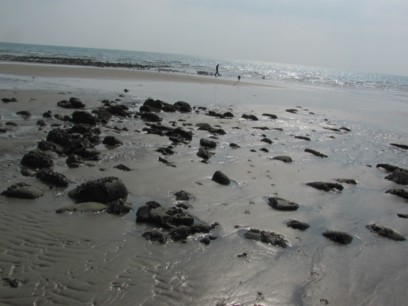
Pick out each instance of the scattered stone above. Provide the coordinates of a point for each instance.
(180, 233)
(234, 146)
(182, 107)
(250, 117)
(282, 204)
(83, 117)
(264, 150)
(24, 114)
(346, 181)
(41, 123)
(266, 237)
(243, 255)
(111, 141)
(221, 178)
(292, 110)
(8, 100)
(398, 192)
(299, 225)
(385, 232)
(47, 114)
(52, 178)
(122, 167)
(23, 191)
(271, 116)
(205, 240)
(389, 168)
(37, 159)
(83, 207)
(404, 216)
(102, 190)
(339, 237)
(326, 186)
(118, 207)
(166, 162)
(166, 150)
(267, 140)
(285, 159)
(316, 153)
(401, 146)
(151, 117)
(182, 195)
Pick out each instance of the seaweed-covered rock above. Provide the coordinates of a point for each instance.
(208, 143)
(53, 178)
(326, 186)
(385, 232)
(221, 178)
(102, 190)
(23, 191)
(118, 207)
(112, 141)
(180, 233)
(37, 159)
(339, 237)
(204, 153)
(266, 237)
(155, 235)
(299, 225)
(398, 176)
(71, 103)
(182, 195)
(282, 204)
(83, 117)
(182, 107)
(250, 117)
(399, 192)
(267, 140)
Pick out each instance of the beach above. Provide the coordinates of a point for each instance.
(100, 258)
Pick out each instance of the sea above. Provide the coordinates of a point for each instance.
(193, 65)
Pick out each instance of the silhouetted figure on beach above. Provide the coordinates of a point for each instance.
(239, 78)
(216, 70)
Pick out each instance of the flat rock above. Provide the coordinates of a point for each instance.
(339, 237)
(23, 191)
(299, 225)
(83, 207)
(303, 138)
(399, 176)
(326, 186)
(103, 190)
(208, 143)
(316, 153)
(270, 116)
(266, 237)
(282, 204)
(385, 232)
(250, 117)
(347, 181)
(221, 178)
(401, 146)
(285, 159)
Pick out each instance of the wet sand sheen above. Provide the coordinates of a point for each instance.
(89, 259)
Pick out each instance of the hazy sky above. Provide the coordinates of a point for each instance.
(358, 35)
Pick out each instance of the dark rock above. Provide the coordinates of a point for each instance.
(201, 228)
(399, 192)
(180, 233)
(155, 236)
(73, 161)
(153, 105)
(182, 107)
(389, 168)
(339, 237)
(292, 110)
(83, 117)
(215, 114)
(41, 123)
(264, 150)
(8, 100)
(221, 178)
(266, 237)
(151, 117)
(285, 159)
(122, 167)
(112, 141)
(37, 159)
(282, 204)
(118, 207)
(94, 207)
(316, 153)
(178, 135)
(303, 138)
(326, 186)
(208, 143)
(404, 216)
(166, 162)
(267, 140)
(401, 146)
(347, 181)
(250, 117)
(102, 190)
(228, 115)
(12, 282)
(23, 191)
(44, 145)
(204, 153)
(24, 114)
(299, 225)
(118, 110)
(182, 195)
(52, 178)
(72, 103)
(205, 240)
(234, 146)
(399, 176)
(47, 114)
(165, 150)
(385, 232)
(346, 129)
(11, 123)
(271, 116)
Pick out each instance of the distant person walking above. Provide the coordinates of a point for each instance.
(216, 70)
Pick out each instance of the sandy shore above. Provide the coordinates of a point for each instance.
(85, 258)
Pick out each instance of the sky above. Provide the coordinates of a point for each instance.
(355, 35)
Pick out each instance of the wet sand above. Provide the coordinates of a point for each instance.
(102, 259)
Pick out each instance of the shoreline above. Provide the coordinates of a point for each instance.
(68, 71)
